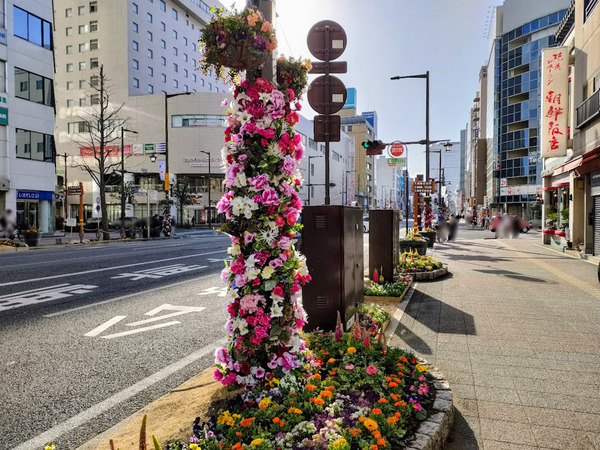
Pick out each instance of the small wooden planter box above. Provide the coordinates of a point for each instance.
(376, 298)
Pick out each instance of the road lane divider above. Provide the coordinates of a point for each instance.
(105, 269)
(94, 411)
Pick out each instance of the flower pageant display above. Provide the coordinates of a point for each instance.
(167, 220)
(411, 262)
(292, 74)
(238, 41)
(262, 206)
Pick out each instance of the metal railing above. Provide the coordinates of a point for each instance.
(589, 109)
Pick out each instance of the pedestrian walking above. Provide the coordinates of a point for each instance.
(7, 226)
(442, 229)
(452, 227)
(193, 221)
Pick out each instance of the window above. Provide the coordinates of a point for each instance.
(150, 71)
(163, 78)
(94, 44)
(69, 85)
(77, 127)
(175, 34)
(135, 64)
(163, 61)
(163, 43)
(136, 46)
(175, 51)
(36, 146)
(150, 54)
(149, 17)
(82, 48)
(93, 7)
(95, 80)
(174, 14)
(186, 88)
(93, 26)
(94, 63)
(82, 65)
(201, 81)
(82, 101)
(81, 84)
(134, 7)
(69, 67)
(163, 27)
(94, 99)
(185, 73)
(194, 78)
(175, 67)
(33, 87)
(69, 103)
(134, 27)
(149, 35)
(69, 31)
(136, 83)
(210, 86)
(68, 12)
(175, 84)
(32, 28)
(81, 10)
(150, 89)
(194, 46)
(185, 57)
(185, 41)
(163, 6)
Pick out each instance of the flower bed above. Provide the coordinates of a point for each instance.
(411, 262)
(15, 244)
(394, 291)
(354, 393)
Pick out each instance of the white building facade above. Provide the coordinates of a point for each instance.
(27, 152)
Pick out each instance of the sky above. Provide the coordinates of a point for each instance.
(400, 37)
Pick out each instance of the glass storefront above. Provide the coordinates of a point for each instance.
(35, 210)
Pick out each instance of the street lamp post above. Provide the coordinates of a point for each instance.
(123, 131)
(346, 181)
(426, 76)
(167, 97)
(209, 182)
(309, 158)
(447, 147)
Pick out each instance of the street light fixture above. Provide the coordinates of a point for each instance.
(309, 158)
(123, 131)
(209, 182)
(153, 158)
(426, 76)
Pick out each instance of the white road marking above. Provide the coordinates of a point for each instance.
(219, 291)
(123, 297)
(126, 266)
(213, 260)
(41, 295)
(94, 411)
(159, 272)
(141, 330)
(179, 310)
(106, 325)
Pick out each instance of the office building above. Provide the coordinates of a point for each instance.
(27, 154)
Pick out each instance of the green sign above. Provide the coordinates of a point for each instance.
(149, 148)
(3, 116)
(396, 162)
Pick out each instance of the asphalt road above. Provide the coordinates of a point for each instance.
(90, 334)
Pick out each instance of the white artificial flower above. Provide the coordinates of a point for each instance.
(252, 273)
(231, 294)
(273, 150)
(277, 311)
(241, 325)
(234, 250)
(240, 180)
(268, 236)
(264, 97)
(251, 261)
(267, 272)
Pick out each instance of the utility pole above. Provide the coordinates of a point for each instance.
(208, 218)
(123, 130)
(66, 197)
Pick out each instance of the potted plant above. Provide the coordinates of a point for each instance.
(413, 241)
(430, 234)
(32, 236)
(238, 41)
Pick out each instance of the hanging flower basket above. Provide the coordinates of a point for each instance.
(238, 42)
(292, 74)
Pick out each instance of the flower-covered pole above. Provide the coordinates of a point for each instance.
(267, 9)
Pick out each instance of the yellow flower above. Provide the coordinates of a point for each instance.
(256, 442)
(370, 424)
(49, 447)
(267, 272)
(264, 403)
(351, 350)
(194, 447)
(421, 368)
(294, 411)
(331, 360)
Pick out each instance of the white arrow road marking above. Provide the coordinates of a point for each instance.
(141, 330)
(106, 325)
(220, 292)
(179, 310)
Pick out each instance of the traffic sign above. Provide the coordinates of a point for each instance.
(326, 40)
(424, 187)
(73, 190)
(396, 162)
(326, 93)
(397, 150)
(324, 125)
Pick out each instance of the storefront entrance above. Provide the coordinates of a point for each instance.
(34, 210)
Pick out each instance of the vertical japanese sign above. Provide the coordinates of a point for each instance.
(555, 74)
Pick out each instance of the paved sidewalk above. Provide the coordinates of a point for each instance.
(515, 328)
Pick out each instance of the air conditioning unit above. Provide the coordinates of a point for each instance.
(4, 185)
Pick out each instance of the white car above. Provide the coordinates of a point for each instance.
(365, 224)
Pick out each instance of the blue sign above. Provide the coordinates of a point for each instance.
(350, 98)
(371, 118)
(34, 195)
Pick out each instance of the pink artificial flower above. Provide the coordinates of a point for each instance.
(349, 366)
(298, 106)
(224, 102)
(279, 221)
(290, 94)
(260, 182)
(270, 198)
(371, 370)
(249, 237)
(217, 375)
(278, 291)
(288, 165)
(417, 406)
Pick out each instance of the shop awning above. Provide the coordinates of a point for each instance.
(590, 162)
(570, 165)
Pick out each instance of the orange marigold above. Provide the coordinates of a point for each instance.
(317, 401)
(382, 400)
(276, 420)
(330, 388)
(373, 447)
(317, 376)
(311, 387)
(377, 434)
(325, 394)
(376, 411)
(392, 420)
(392, 384)
(247, 422)
(381, 442)
(331, 360)
(237, 446)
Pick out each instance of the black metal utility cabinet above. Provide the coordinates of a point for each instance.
(332, 240)
(384, 233)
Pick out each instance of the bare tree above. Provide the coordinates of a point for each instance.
(100, 128)
(182, 194)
